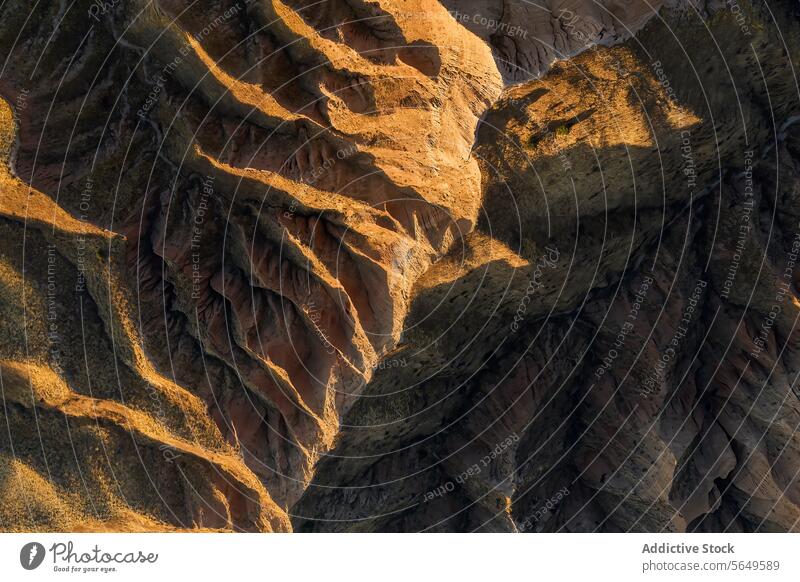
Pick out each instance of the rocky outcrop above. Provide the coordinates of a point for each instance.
(615, 349)
(288, 176)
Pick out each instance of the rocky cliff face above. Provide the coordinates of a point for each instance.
(398, 266)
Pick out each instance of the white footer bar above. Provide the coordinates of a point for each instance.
(400, 557)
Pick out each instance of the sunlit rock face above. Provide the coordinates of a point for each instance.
(271, 179)
(334, 161)
(366, 266)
